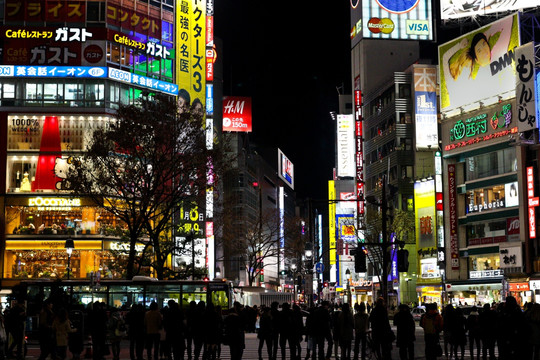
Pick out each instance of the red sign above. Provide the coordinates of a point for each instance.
(530, 182)
(237, 114)
(358, 98)
(439, 201)
(209, 31)
(512, 226)
(534, 201)
(42, 10)
(210, 60)
(452, 204)
(532, 223)
(518, 286)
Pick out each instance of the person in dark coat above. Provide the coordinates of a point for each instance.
(286, 331)
(265, 332)
(381, 332)
(345, 322)
(447, 315)
(361, 327)
(235, 332)
(15, 321)
(458, 333)
(98, 330)
(473, 329)
(212, 330)
(405, 326)
(274, 313)
(46, 334)
(512, 330)
(488, 331)
(191, 315)
(198, 329)
(135, 324)
(297, 330)
(173, 323)
(321, 330)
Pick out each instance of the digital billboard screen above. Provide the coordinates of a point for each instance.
(285, 169)
(451, 9)
(479, 65)
(397, 19)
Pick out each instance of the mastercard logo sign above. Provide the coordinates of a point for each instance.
(376, 25)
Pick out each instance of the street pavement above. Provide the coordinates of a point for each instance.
(251, 352)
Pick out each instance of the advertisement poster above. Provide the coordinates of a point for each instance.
(191, 54)
(479, 65)
(396, 19)
(525, 88)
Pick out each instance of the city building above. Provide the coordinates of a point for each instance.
(66, 67)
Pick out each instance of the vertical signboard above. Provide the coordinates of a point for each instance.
(237, 114)
(425, 101)
(532, 202)
(190, 51)
(439, 207)
(345, 146)
(359, 163)
(525, 89)
(332, 222)
(453, 216)
(424, 201)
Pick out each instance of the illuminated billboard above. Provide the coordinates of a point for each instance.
(479, 65)
(451, 9)
(285, 169)
(52, 46)
(191, 53)
(345, 146)
(424, 208)
(237, 114)
(396, 19)
(425, 102)
(525, 88)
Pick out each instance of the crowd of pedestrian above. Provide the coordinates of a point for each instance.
(199, 330)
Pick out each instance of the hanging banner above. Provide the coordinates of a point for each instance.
(525, 88)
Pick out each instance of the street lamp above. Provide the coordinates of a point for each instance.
(348, 278)
(293, 269)
(218, 272)
(70, 245)
(308, 256)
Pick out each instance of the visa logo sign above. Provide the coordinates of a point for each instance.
(418, 27)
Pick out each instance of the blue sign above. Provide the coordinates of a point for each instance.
(319, 268)
(209, 99)
(53, 71)
(87, 72)
(154, 84)
(398, 6)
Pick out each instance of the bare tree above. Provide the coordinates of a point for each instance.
(143, 165)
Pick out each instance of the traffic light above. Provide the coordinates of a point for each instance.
(403, 260)
(360, 264)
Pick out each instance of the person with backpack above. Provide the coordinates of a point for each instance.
(473, 327)
(432, 323)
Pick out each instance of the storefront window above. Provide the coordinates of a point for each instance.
(491, 164)
(480, 200)
(36, 234)
(37, 145)
(481, 264)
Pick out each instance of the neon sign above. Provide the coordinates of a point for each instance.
(54, 71)
(478, 124)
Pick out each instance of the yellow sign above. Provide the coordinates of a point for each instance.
(332, 221)
(51, 245)
(191, 53)
(54, 203)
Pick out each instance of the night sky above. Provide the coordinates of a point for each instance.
(289, 57)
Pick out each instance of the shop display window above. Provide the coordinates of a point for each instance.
(39, 149)
(485, 266)
(35, 240)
